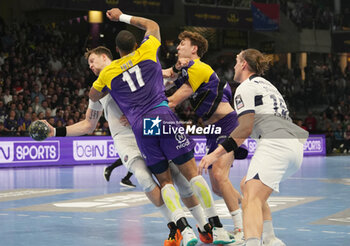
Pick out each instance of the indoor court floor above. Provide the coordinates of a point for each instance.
(75, 206)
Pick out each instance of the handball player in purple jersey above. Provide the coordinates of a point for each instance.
(135, 82)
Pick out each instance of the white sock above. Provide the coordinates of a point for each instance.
(202, 191)
(198, 214)
(253, 241)
(172, 201)
(165, 212)
(237, 218)
(268, 231)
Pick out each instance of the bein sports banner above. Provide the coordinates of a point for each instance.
(23, 151)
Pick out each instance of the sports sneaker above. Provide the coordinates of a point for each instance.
(206, 236)
(189, 238)
(274, 242)
(107, 173)
(127, 183)
(220, 236)
(175, 237)
(237, 235)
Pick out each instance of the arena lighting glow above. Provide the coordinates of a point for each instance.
(95, 16)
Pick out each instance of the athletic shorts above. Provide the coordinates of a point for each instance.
(227, 125)
(157, 150)
(275, 160)
(126, 146)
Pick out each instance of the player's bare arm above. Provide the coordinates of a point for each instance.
(151, 27)
(95, 95)
(239, 135)
(80, 128)
(184, 92)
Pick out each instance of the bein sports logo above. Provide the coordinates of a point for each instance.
(151, 126)
(86, 150)
(28, 151)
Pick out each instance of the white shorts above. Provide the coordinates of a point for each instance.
(126, 146)
(275, 160)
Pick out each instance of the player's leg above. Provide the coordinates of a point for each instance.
(192, 203)
(268, 236)
(274, 160)
(109, 169)
(222, 186)
(254, 197)
(127, 148)
(203, 193)
(219, 173)
(171, 199)
(126, 181)
(153, 192)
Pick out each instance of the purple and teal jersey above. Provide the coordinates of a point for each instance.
(208, 90)
(135, 81)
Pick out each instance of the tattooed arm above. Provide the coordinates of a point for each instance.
(86, 126)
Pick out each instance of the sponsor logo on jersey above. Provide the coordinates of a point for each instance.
(239, 102)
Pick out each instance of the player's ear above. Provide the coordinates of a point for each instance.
(195, 49)
(135, 46)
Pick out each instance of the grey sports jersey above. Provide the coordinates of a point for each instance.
(112, 114)
(259, 96)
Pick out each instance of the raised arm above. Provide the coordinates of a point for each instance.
(151, 27)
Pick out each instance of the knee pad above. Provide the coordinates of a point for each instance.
(184, 187)
(143, 175)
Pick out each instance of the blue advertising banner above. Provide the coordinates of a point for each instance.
(23, 151)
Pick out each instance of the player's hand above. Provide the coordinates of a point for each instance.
(205, 163)
(182, 62)
(124, 121)
(168, 73)
(51, 134)
(210, 159)
(114, 14)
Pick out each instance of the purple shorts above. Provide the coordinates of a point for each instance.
(159, 139)
(227, 124)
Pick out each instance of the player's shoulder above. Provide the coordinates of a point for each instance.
(199, 67)
(150, 40)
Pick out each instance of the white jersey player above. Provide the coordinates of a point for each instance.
(126, 146)
(263, 114)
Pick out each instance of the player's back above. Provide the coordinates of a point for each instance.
(135, 81)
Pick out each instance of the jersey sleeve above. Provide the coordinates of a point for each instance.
(99, 83)
(197, 76)
(244, 99)
(149, 48)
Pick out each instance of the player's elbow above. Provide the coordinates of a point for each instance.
(152, 26)
(94, 95)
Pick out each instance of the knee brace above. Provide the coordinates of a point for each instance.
(184, 187)
(142, 174)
